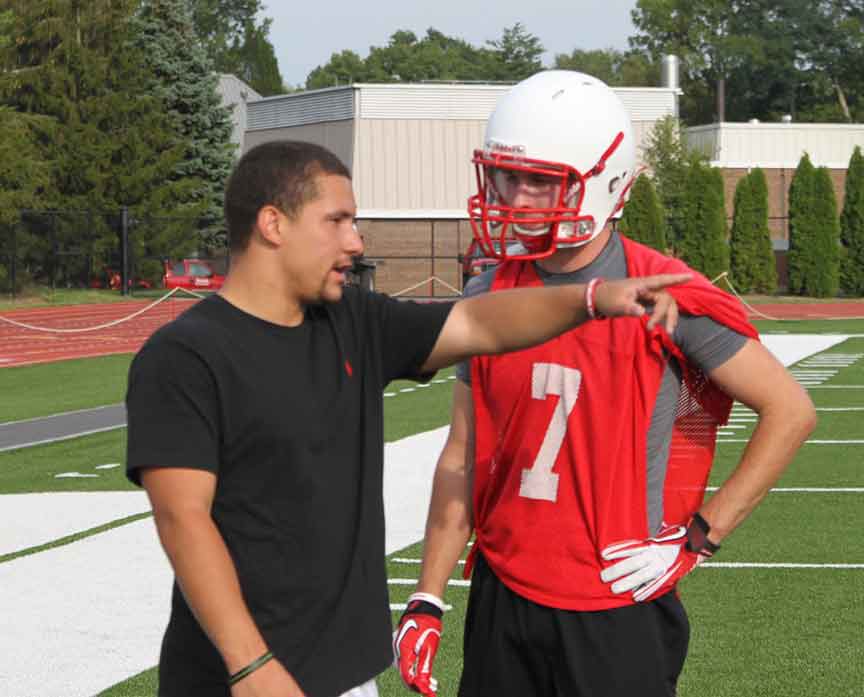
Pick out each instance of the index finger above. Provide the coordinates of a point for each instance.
(666, 279)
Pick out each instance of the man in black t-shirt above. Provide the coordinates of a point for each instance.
(255, 425)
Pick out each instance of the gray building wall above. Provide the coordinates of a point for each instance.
(336, 136)
(236, 94)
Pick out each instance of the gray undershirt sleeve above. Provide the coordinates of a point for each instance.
(706, 344)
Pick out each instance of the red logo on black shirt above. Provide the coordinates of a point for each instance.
(348, 368)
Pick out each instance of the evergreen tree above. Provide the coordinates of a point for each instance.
(742, 238)
(182, 78)
(852, 227)
(112, 145)
(802, 203)
(24, 178)
(236, 43)
(23, 173)
(670, 162)
(765, 263)
(643, 216)
(826, 240)
(703, 242)
(751, 262)
(254, 60)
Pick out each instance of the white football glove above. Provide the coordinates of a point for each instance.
(653, 566)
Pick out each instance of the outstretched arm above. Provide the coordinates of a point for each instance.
(510, 320)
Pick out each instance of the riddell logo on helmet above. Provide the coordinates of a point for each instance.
(493, 146)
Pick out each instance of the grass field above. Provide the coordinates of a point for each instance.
(790, 629)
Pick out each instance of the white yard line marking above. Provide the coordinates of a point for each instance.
(413, 560)
(420, 385)
(413, 581)
(809, 442)
(839, 408)
(809, 489)
(838, 387)
(779, 565)
(463, 583)
(74, 475)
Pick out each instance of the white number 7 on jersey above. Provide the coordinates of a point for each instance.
(540, 482)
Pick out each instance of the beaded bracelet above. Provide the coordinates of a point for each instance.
(251, 668)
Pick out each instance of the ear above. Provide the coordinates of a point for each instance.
(267, 225)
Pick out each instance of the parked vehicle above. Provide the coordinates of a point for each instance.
(191, 274)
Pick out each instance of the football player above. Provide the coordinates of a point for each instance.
(580, 464)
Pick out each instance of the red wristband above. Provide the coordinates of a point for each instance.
(589, 298)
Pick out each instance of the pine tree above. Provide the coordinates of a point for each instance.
(669, 161)
(23, 173)
(752, 264)
(182, 78)
(826, 241)
(852, 227)
(254, 60)
(703, 242)
(112, 144)
(643, 216)
(802, 202)
(765, 265)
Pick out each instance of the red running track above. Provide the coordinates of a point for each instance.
(22, 346)
(832, 310)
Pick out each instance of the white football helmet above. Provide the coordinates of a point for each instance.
(558, 162)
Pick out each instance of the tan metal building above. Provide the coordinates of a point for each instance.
(409, 147)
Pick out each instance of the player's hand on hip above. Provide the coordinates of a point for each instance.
(629, 297)
(270, 680)
(415, 642)
(650, 567)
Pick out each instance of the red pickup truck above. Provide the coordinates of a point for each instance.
(192, 274)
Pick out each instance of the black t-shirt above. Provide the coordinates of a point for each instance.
(290, 419)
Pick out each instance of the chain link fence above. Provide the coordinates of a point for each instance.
(103, 249)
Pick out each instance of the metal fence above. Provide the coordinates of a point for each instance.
(131, 254)
(101, 249)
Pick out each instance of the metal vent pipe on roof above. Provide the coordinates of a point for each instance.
(669, 72)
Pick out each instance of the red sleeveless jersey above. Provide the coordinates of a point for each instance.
(561, 441)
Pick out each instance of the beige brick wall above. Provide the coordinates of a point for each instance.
(778, 181)
(412, 252)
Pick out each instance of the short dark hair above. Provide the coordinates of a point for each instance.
(280, 173)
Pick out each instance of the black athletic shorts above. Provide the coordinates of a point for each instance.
(515, 647)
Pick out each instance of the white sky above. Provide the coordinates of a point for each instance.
(305, 34)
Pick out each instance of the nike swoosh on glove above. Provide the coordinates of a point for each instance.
(415, 642)
(653, 566)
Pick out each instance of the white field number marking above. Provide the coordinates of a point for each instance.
(550, 379)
